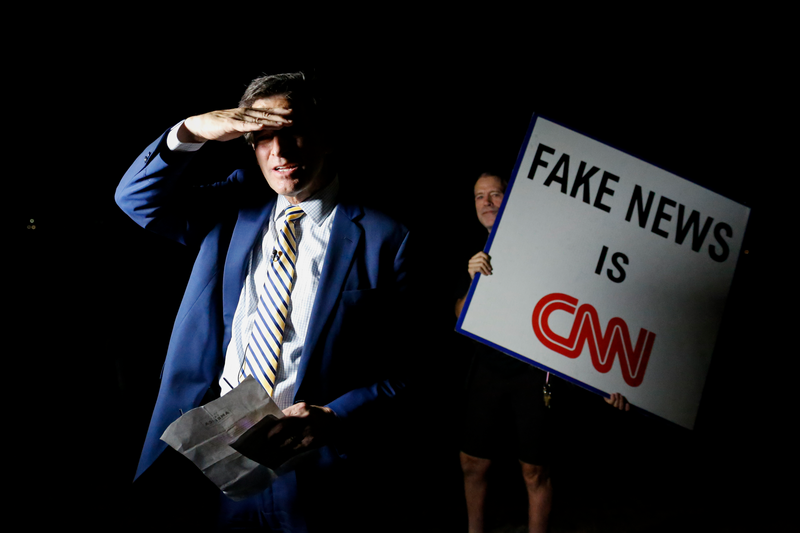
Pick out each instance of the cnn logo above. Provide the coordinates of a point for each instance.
(586, 329)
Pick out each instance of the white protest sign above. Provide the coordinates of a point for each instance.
(609, 271)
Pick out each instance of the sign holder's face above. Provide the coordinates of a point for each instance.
(489, 193)
(607, 271)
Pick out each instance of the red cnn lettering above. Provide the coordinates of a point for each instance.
(586, 329)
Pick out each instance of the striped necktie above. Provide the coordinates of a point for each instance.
(263, 352)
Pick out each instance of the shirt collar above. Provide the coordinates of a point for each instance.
(317, 207)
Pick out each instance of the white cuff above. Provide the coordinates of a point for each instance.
(175, 145)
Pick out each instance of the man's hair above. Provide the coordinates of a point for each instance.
(294, 86)
(503, 180)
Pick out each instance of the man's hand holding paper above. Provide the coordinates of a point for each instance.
(303, 428)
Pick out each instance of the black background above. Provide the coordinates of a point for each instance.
(423, 105)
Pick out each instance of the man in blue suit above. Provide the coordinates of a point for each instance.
(336, 372)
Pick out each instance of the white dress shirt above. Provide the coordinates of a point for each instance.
(313, 233)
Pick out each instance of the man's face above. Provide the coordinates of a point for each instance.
(291, 157)
(488, 197)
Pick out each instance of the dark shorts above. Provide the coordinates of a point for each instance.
(505, 414)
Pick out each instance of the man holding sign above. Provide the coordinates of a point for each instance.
(615, 272)
(506, 411)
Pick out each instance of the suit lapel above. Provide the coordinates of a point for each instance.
(345, 236)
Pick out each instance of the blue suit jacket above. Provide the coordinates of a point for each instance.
(346, 363)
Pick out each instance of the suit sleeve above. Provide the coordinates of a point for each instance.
(157, 193)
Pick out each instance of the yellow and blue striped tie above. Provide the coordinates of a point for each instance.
(262, 355)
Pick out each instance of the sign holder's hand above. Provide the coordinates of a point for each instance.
(618, 401)
(480, 263)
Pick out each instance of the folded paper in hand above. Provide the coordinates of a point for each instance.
(206, 434)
